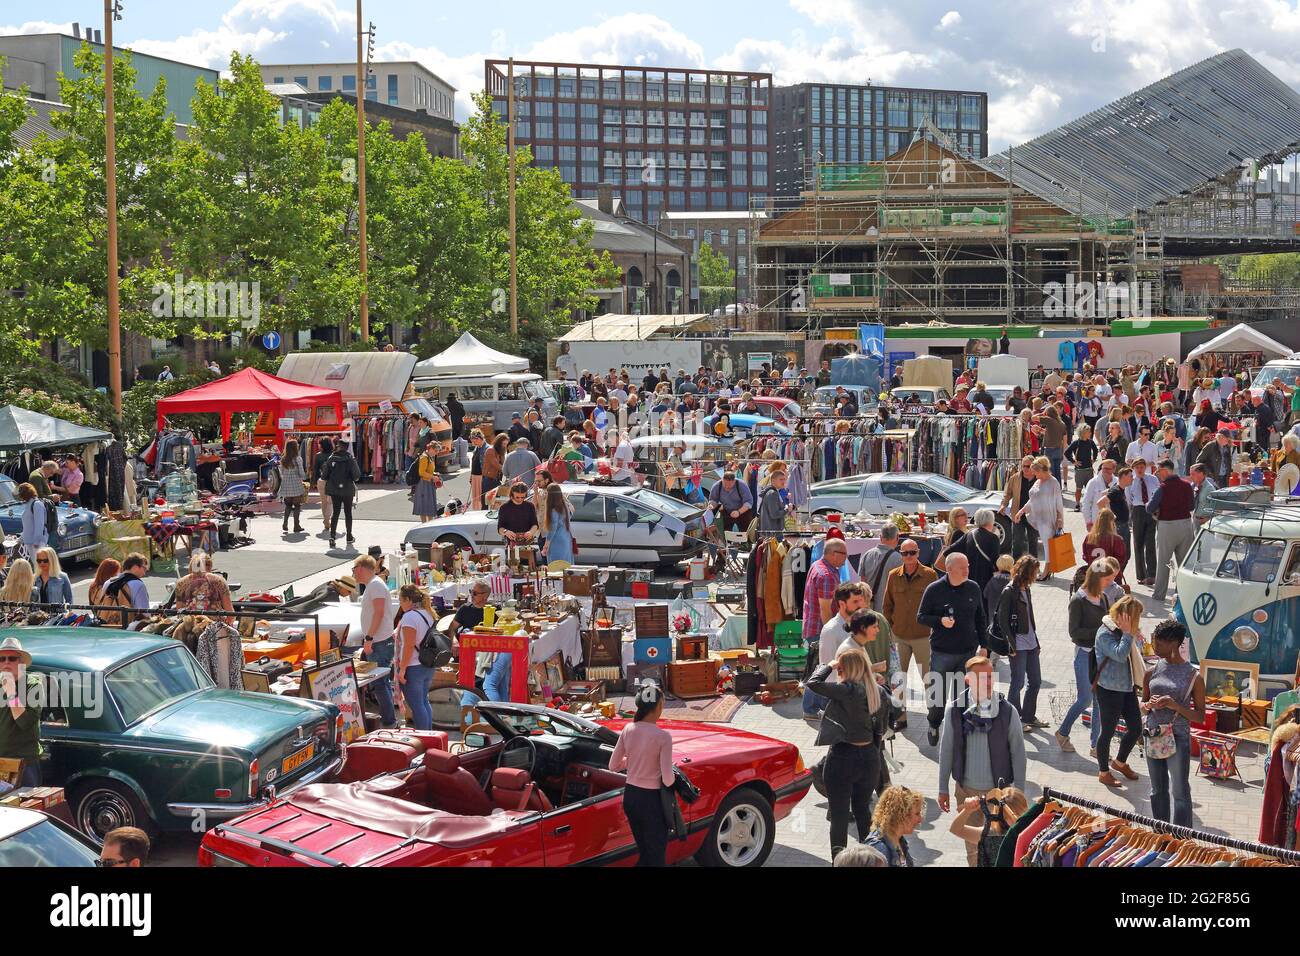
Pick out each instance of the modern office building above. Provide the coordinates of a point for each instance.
(666, 140)
(826, 123)
(404, 84)
(35, 60)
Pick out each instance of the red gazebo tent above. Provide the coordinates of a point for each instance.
(249, 391)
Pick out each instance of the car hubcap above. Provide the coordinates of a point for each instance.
(102, 811)
(741, 835)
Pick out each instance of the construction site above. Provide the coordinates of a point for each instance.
(1119, 214)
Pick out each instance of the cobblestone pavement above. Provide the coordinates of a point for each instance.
(1220, 807)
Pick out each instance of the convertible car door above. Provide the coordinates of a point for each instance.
(592, 832)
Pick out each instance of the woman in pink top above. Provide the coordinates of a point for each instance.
(71, 477)
(645, 750)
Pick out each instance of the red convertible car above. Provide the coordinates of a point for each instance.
(540, 793)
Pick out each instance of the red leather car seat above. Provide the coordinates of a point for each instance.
(515, 790)
(452, 787)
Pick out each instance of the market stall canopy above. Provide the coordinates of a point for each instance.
(469, 356)
(22, 429)
(929, 370)
(249, 390)
(360, 376)
(1242, 338)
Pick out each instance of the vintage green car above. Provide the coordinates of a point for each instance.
(138, 735)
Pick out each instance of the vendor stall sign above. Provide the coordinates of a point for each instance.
(471, 645)
(286, 424)
(337, 684)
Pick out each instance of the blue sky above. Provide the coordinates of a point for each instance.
(1042, 63)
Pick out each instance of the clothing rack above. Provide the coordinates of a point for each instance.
(1185, 833)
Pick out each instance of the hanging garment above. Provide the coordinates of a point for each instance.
(220, 653)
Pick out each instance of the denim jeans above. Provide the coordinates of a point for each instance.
(416, 691)
(1054, 456)
(944, 668)
(496, 685)
(1170, 777)
(1026, 664)
(381, 655)
(812, 704)
(1083, 697)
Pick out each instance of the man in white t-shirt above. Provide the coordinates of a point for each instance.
(376, 635)
(849, 597)
(623, 461)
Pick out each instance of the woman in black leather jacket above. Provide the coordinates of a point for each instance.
(853, 764)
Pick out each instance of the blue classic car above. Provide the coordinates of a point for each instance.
(138, 735)
(76, 536)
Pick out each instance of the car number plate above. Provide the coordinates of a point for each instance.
(294, 761)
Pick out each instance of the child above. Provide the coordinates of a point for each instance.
(985, 820)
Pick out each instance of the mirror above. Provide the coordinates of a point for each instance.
(476, 741)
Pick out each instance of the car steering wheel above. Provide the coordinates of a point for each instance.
(511, 746)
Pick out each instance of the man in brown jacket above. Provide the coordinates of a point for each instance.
(903, 589)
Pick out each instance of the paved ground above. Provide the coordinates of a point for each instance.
(802, 840)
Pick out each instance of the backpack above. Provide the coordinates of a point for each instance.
(413, 474)
(51, 516)
(434, 649)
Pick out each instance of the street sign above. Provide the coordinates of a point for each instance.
(271, 341)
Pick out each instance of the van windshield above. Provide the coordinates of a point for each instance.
(539, 390)
(1207, 552)
(1252, 560)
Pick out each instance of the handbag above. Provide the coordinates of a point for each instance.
(1060, 553)
(1161, 743)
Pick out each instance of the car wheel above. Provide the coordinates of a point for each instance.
(1003, 529)
(743, 831)
(455, 541)
(100, 806)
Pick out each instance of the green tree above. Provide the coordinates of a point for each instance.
(717, 279)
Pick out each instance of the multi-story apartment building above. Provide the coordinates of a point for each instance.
(404, 84)
(666, 140)
(35, 60)
(834, 123)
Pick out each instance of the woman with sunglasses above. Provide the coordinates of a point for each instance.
(20, 725)
(52, 585)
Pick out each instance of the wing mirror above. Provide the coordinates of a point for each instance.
(476, 741)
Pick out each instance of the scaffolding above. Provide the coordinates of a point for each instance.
(927, 235)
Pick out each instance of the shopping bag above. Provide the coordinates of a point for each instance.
(1060, 553)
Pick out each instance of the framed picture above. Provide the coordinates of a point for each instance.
(256, 682)
(337, 684)
(1230, 679)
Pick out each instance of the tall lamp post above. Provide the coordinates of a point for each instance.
(112, 12)
(363, 72)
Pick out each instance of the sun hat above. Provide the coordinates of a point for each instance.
(13, 644)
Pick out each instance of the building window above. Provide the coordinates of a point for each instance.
(349, 83)
(325, 83)
(392, 89)
(569, 131)
(302, 81)
(589, 89)
(568, 86)
(544, 155)
(725, 237)
(898, 115)
(277, 79)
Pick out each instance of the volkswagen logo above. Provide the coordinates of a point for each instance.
(1204, 609)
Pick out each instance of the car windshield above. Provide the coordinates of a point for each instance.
(524, 724)
(8, 491)
(1252, 560)
(141, 686)
(663, 503)
(954, 490)
(45, 844)
(539, 390)
(1206, 553)
(1289, 374)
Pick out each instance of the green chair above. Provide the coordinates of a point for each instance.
(790, 650)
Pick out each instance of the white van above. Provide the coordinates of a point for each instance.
(498, 395)
(1288, 370)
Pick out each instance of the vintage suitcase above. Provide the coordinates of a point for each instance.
(692, 648)
(651, 620)
(615, 581)
(579, 581)
(693, 678)
(422, 740)
(602, 646)
(748, 683)
(369, 758)
(272, 667)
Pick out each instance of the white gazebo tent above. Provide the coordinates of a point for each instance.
(1242, 338)
(469, 356)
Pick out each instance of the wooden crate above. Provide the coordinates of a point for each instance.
(692, 647)
(651, 620)
(693, 679)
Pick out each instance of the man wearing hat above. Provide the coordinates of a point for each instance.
(518, 429)
(20, 713)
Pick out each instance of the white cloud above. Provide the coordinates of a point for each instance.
(1041, 64)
